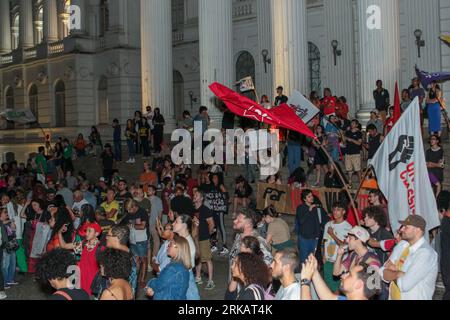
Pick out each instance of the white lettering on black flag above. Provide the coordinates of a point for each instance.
(302, 107)
(402, 173)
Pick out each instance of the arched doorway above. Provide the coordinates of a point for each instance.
(314, 76)
(60, 104)
(33, 102)
(103, 104)
(178, 94)
(9, 103)
(245, 67)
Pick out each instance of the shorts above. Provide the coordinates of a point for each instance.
(139, 249)
(353, 162)
(205, 251)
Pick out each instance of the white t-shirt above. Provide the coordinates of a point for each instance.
(330, 246)
(292, 292)
(192, 249)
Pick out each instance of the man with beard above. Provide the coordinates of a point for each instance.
(358, 284)
(412, 268)
(283, 268)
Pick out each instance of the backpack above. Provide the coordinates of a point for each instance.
(257, 289)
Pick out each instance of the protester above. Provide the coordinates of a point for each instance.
(374, 120)
(354, 140)
(173, 282)
(108, 161)
(96, 141)
(115, 265)
(117, 138)
(435, 158)
(206, 229)
(434, 109)
(335, 233)
(242, 194)
(412, 268)
(278, 233)
(131, 136)
(158, 131)
(111, 206)
(284, 264)
(253, 275)
(280, 98)
(382, 100)
(375, 221)
(357, 284)
(55, 268)
(307, 225)
(374, 141)
(148, 177)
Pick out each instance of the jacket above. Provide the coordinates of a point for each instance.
(172, 283)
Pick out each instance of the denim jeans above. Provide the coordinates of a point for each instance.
(294, 156)
(131, 149)
(2, 278)
(9, 266)
(118, 150)
(306, 247)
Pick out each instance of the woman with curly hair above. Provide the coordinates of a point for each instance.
(252, 274)
(54, 268)
(116, 266)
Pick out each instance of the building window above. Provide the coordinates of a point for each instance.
(60, 104)
(39, 26)
(104, 17)
(33, 100)
(9, 103)
(177, 15)
(245, 66)
(315, 81)
(15, 31)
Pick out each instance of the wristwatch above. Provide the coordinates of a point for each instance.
(305, 282)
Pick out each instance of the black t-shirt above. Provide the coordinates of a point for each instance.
(445, 243)
(374, 144)
(280, 100)
(107, 160)
(182, 205)
(380, 235)
(204, 214)
(436, 157)
(352, 148)
(228, 120)
(245, 193)
(75, 294)
(381, 99)
(131, 218)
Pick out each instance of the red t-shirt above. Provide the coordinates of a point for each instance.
(329, 105)
(342, 110)
(389, 124)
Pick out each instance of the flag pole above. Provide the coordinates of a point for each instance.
(366, 173)
(352, 202)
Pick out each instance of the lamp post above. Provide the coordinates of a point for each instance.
(419, 42)
(266, 59)
(336, 52)
(191, 96)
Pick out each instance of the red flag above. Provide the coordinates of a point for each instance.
(242, 106)
(397, 109)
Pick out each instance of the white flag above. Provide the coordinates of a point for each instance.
(302, 107)
(246, 84)
(402, 172)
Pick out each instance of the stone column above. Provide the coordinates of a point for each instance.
(5, 27)
(156, 55)
(26, 24)
(379, 49)
(216, 51)
(83, 15)
(290, 45)
(50, 21)
(265, 82)
(339, 26)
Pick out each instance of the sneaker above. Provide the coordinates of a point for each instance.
(224, 252)
(6, 287)
(214, 249)
(210, 285)
(198, 280)
(2, 295)
(13, 283)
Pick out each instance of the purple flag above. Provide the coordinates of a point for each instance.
(426, 78)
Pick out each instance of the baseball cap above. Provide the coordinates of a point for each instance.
(102, 179)
(415, 221)
(360, 233)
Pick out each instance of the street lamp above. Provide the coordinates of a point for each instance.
(266, 59)
(191, 96)
(419, 42)
(336, 52)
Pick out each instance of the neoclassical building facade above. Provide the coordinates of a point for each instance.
(127, 54)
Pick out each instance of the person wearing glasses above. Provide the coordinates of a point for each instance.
(173, 282)
(358, 252)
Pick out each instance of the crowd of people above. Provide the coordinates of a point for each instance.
(101, 239)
